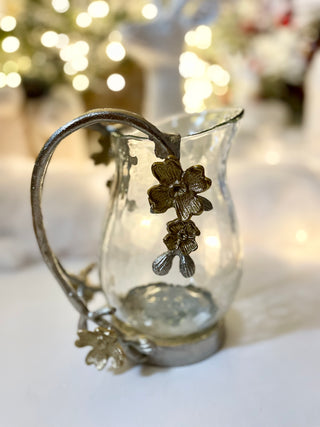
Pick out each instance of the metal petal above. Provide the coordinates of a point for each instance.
(191, 229)
(159, 199)
(167, 172)
(206, 204)
(175, 226)
(97, 358)
(171, 241)
(188, 246)
(187, 267)
(86, 338)
(163, 263)
(196, 180)
(187, 205)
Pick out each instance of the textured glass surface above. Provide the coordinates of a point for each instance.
(171, 305)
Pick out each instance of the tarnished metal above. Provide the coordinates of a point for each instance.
(178, 189)
(82, 284)
(76, 287)
(105, 345)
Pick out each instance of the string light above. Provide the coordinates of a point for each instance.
(8, 23)
(82, 47)
(68, 69)
(218, 75)
(149, 11)
(80, 82)
(115, 51)
(200, 37)
(75, 50)
(116, 82)
(60, 6)
(196, 91)
(13, 79)
(63, 41)
(49, 39)
(201, 88)
(98, 9)
(192, 104)
(191, 65)
(83, 20)
(10, 44)
(79, 63)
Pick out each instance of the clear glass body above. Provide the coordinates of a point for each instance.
(171, 306)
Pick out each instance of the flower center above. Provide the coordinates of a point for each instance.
(177, 188)
(183, 235)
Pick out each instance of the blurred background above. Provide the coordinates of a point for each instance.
(110, 53)
(73, 55)
(60, 58)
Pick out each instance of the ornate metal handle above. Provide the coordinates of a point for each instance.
(165, 145)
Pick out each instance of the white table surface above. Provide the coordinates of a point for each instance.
(268, 373)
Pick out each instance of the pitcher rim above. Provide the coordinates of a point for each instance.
(236, 113)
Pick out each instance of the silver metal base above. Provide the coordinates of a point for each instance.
(188, 351)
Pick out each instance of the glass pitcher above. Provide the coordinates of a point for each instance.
(170, 261)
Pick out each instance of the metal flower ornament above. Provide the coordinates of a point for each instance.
(178, 189)
(105, 345)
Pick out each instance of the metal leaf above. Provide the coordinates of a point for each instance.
(163, 263)
(187, 266)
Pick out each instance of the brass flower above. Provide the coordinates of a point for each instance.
(105, 345)
(181, 236)
(179, 189)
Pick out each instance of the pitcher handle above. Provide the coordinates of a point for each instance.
(165, 145)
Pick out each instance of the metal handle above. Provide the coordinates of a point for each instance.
(165, 145)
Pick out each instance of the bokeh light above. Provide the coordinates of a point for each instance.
(80, 82)
(8, 23)
(149, 11)
(98, 9)
(63, 40)
(199, 38)
(60, 6)
(10, 44)
(115, 51)
(191, 65)
(13, 79)
(83, 20)
(49, 39)
(218, 75)
(116, 82)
